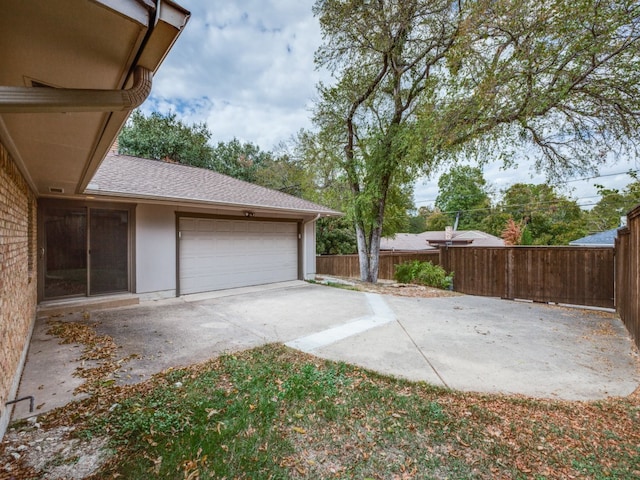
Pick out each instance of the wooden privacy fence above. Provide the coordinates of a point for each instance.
(349, 265)
(574, 275)
(628, 274)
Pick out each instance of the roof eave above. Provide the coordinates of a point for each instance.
(210, 204)
(170, 20)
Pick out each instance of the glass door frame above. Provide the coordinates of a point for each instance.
(45, 203)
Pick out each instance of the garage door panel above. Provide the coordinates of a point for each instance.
(217, 253)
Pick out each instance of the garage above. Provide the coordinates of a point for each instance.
(218, 253)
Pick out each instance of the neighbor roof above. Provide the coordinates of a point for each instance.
(600, 239)
(140, 178)
(426, 240)
(410, 242)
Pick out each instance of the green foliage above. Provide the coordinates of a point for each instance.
(240, 160)
(165, 137)
(463, 189)
(437, 221)
(417, 224)
(288, 175)
(612, 205)
(423, 273)
(335, 236)
(550, 218)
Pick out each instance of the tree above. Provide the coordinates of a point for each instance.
(547, 218)
(512, 233)
(165, 137)
(438, 221)
(286, 173)
(613, 205)
(418, 221)
(319, 159)
(420, 82)
(462, 193)
(335, 236)
(240, 160)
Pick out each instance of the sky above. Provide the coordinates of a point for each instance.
(246, 69)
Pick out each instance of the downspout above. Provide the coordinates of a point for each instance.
(59, 100)
(317, 217)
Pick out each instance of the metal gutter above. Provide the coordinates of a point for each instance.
(62, 100)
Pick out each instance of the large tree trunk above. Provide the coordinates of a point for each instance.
(369, 244)
(369, 253)
(363, 252)
(374, 255)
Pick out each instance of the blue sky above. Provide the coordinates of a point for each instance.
(246, 69)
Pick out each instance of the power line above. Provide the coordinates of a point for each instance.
(538, 208)
(567, 181)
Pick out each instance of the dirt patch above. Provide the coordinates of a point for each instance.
(33, 452)
(30, 451)
(388, 287)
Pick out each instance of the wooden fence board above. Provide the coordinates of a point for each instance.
(628, 274)
(573, 275)
(349, 265)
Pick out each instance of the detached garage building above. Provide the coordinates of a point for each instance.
(162, 229)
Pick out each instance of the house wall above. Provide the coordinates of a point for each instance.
(18, 284)
(156, 248)
(309, 255)
(155, 251)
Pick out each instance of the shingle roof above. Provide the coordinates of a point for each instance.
(140, 178)
(405, 242)
(420, 241)
(600, 239)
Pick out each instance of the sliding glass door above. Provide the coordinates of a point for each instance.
(85, 250)
(108, 251)
(65, 252)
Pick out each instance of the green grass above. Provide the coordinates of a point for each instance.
(275, 413)
(343, 286)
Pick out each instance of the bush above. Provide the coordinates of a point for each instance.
(423, 273)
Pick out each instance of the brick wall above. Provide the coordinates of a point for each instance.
(18, 274)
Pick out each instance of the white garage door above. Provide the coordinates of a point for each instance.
(216, 254)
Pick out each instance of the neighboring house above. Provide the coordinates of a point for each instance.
(72, 71)
(405, 242)
(415, 242)
(600, 239)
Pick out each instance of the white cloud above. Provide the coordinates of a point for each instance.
(246, 68)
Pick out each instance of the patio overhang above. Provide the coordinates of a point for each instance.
(74, 70)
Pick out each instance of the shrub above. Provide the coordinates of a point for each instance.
(423, 273)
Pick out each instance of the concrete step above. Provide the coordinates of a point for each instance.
(72, 305)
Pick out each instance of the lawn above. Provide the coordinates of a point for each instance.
(272, 412)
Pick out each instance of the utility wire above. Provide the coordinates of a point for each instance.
(566, 181)
(538, 208)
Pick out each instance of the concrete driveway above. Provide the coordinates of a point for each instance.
(462, 342)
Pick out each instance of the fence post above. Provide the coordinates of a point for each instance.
(508, 272)
(444, 257)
